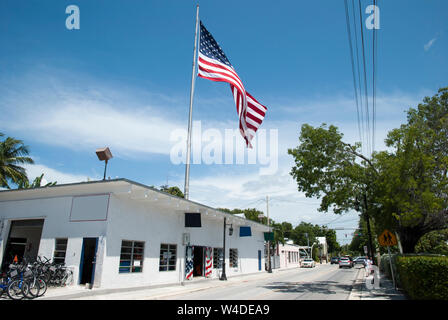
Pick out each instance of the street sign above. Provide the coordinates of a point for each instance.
(387, 239)
(365, 249)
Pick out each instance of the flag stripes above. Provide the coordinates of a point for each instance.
(214, 65)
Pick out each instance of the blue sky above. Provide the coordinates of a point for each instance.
(123, 80)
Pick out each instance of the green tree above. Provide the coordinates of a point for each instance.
(13, 154)
(406, 189)
(359, 239)
(175, 191)
(413, 184)
(37, 182)
(435, 242)
(332, 243)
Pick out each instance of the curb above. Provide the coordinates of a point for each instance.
(357, 286)
(207, 284)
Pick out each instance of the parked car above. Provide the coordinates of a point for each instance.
(345, 262)
(308, 263)
(360, 260)
(334, 260)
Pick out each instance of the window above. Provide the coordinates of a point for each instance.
(233, 258)
(217, 258)
(167, 257)
(131, 256)
(60, 248)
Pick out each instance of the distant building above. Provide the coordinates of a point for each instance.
(289, 255)
(323, 247)
(119, 233)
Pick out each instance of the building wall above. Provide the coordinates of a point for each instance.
(136, 220)
(56, 214)
(289, 256)
(127, 219)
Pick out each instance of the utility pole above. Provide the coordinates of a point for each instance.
(269, 242)
(366, 214)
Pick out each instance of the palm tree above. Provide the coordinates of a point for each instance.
(37, 182)
(13, 153)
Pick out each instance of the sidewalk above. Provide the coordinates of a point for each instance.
(150, 292)
(385, 292)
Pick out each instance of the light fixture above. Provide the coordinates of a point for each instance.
(104, 154)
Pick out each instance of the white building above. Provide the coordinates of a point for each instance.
(323, 247)
(289, 255)
(119, 233)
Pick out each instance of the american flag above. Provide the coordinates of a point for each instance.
(189, 262)
(214, 65)
(208, 261)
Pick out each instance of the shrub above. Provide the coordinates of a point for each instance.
(385, 267)
(424, 277)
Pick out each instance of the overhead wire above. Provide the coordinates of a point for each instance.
(374, 56)
(355, 85)
(365, 80)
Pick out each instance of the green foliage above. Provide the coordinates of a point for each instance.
(37, 182)
(360, 239)
(175, 191)
(13, 154)
(406, 188)
(435, 242)
(325, 167)
(424, 277)
(284, 230)
(385, 266)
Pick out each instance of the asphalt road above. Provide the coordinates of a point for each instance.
(325, 282)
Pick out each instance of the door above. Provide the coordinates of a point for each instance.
(198, 261)
(23, 241)
(259, 260)
(88, 260)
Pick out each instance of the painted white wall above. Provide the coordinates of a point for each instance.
(283, 250)
(129, 219)
(139, 221)
(57, 224)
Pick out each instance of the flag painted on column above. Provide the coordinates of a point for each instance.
(208, 262)
(214, 65)
(189, 262)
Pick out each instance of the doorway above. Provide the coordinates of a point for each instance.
(198, 261)
(23, 241)
(88, 260)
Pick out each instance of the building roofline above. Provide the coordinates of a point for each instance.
(132, 183)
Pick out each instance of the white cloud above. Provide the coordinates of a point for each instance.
(430, 43)
(52, 111)
(53, 175)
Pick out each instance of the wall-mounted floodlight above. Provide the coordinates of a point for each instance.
(104, 154)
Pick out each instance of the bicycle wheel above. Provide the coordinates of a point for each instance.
(68, 278)
(31, 288)
(42, 287)
(14, 290)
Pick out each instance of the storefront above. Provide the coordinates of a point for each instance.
(119, 233)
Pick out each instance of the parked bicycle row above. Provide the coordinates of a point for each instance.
(30, 279)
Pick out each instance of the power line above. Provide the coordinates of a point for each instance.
(374, 48)
(357, 68)
(365, 79)
(355, 86)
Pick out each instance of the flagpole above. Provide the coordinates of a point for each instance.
(187, 165)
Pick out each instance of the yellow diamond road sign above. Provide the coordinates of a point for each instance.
(387, 238)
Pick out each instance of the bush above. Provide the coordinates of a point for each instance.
(424, 277)
(385, 266)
